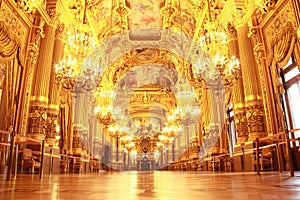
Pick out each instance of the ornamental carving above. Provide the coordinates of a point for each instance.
(277, 28)
(265, 5)
(60, 32)
(29, 5)
(16, 29)
(51, 124)
(255, 119)
(54, 16)
(240, 122)
(259, 55)
(37, 120)
(232, 32)
(77, 143)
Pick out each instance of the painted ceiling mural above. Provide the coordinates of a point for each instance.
(145, 14)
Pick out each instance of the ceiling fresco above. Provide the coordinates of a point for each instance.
(145, 14)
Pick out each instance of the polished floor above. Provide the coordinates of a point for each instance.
(152, 185)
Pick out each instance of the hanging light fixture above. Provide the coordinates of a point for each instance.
(65, 72)
(80, 41)
(78, 71)
(214, 43)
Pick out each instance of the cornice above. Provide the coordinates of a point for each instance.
(66, 15)
(270, 15)
(22, 14)
(44, 14)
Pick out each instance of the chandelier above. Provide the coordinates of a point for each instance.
(223, 69)
(67, 73)
(80, 43)
(103, 110)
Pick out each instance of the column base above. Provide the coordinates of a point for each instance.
(241, 140)
(77, 151)
(51, 141)
(215, 150)
(254, 135)
(37, 136)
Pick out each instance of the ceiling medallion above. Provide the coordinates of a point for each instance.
(146, 55)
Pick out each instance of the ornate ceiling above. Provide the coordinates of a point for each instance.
(146, 50)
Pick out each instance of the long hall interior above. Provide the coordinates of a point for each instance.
(149, 99)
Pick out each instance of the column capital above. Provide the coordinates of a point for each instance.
(54, 16)
(60, 32)
(231, 32)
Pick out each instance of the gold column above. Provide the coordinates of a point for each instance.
(54, 87)
(253, 102)
(39, 98)
(239, 109)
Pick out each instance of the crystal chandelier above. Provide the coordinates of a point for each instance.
(223, 67)
(103, 110)
(65, 72)
(80, 43)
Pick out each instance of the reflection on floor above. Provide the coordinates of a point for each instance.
(153, 185)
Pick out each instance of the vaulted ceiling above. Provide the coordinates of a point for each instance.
(145, 46)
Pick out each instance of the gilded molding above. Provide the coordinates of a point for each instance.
(34, 54)
(41, 99)
(29, 5)
(53, 107)
(54, 16)
(278, 26)
(259, 55)
(265, 5)
(255, 121)
(16, 29)
(240, 122)
(51, 124)
(238, 105)
(60, 32)
(231, 32)
(252, 98)
(37, 121)
(298, 33)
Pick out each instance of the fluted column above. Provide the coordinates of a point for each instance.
(239, 109)
(39, 99)
(54, 87)
(253, 102)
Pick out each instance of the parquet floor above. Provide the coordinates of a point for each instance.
(160, 185)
